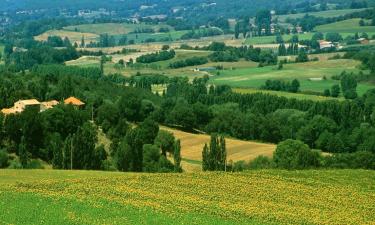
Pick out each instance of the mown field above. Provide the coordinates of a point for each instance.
(255, 77)
(74, 37)
(255, 197)
(346, 27)
(299, 96)
(237, 150)
(113, 28)
(325, 14)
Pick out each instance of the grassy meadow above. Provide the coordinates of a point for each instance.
(254, 197)
(299, 96)
(113, 28)
(325, 14)
(255, 77)
(346, 27)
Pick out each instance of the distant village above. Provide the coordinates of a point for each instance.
(21, 105)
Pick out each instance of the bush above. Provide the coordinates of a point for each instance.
(261, 162)
(34, 164)
(293, 154)
(357, 160)
(239, 166)
(4, 159)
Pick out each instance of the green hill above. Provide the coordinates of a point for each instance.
(256, 197)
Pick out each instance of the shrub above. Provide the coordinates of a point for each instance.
(293, 154)
(357, 160)
(261, 162)
(4, 159)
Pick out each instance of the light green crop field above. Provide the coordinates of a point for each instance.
(299, 96)
(325, 14)
(311, 75)
(254, 197)
(272, 39)
(113, 28)
(346, 26)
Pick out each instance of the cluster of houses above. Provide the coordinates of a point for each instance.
(21, 105)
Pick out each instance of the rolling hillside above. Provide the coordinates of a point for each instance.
(192, 146)
(256, 197)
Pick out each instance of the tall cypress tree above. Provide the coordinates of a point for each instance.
(177, 156)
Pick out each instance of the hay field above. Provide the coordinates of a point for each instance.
(264, 197)
(73, 36)
(192, 146)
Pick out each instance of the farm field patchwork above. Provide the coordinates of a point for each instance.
(255, 197)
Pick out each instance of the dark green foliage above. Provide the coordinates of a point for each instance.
(155, 57)
(23, 153)
(314, 128)
(165, 141)
(177, 156)
(151, 157)
(4, 159)
(83, 143)
(194, 61)
(205, 32)
(291, 154)
(334, 37)
(214, 157)
(335, 91)
(357, 160)
(348, 86)
(279, 85)
(302, 57)
(261, 162)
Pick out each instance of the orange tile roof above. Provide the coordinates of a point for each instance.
(50, 104)
(6, 111)
(73, 101)
(30, 102)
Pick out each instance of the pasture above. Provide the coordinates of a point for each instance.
(346, 27)
(313, 76)
(237, 150)
(74, 37)
(325, 14)
(113, 28)
(299, 96)
(254, 197)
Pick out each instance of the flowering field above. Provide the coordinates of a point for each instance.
(256, 197)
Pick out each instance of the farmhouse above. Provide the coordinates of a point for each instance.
(325, 44)
(363, 41)
(74, 101)
(21, 105)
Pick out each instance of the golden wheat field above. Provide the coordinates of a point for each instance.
(256, 197)
(192, 146)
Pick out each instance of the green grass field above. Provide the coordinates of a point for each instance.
(325, 14)
(346, 27)
(113, 28)
(255, 77)
(255, 197)
(298, 96)
(272, 39)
